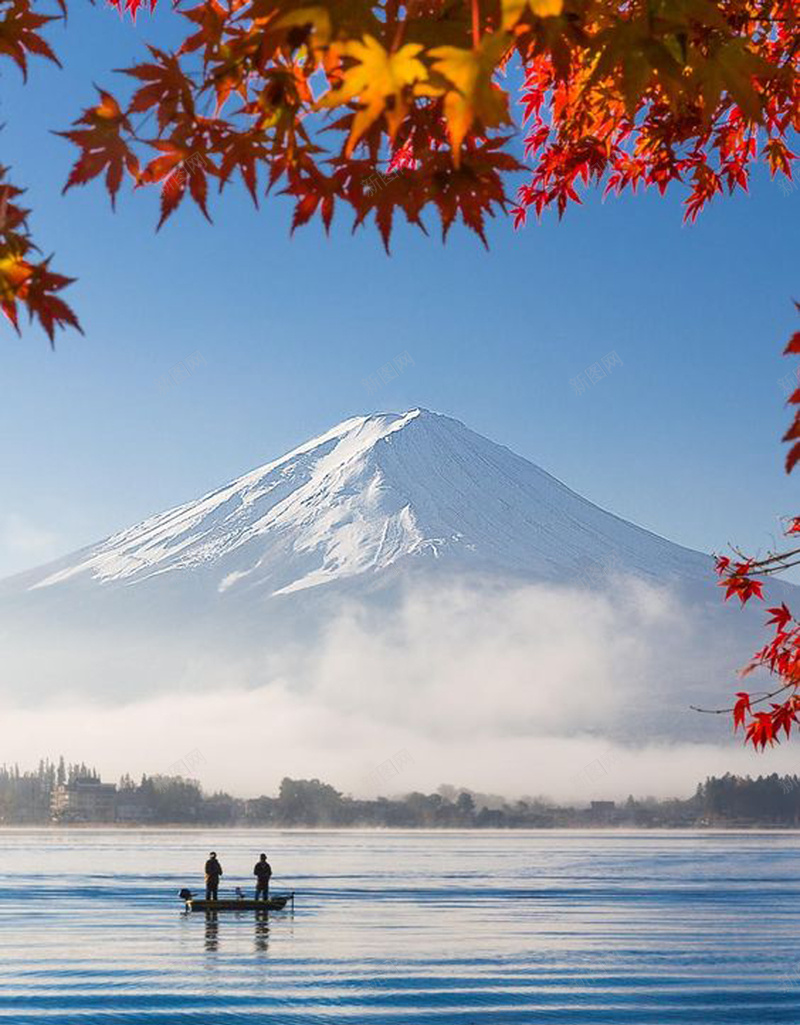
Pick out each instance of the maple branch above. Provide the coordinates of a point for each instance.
(753, 701)
(774, 563)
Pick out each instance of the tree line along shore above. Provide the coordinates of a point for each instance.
(61, 794)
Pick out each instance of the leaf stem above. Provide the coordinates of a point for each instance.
(754, 701)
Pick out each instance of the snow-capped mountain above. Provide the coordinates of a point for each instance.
(415, 490)
(397, 564)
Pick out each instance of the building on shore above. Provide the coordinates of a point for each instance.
(602, 811)
(84, 800)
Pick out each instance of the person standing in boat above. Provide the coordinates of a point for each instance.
(213, 872)
(262, 872)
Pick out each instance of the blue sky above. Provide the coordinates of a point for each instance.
(682, 438)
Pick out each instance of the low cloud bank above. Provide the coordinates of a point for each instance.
(561, 692)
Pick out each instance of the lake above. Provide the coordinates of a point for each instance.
(468, 928)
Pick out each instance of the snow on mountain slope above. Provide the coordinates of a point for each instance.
(412, 489)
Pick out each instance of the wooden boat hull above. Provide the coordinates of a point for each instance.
(274, 904)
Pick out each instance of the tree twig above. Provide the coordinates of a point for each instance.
(754, 701)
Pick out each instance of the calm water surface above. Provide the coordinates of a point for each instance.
(452, 929)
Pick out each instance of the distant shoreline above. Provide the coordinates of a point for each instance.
(57, 795)
(111, 827)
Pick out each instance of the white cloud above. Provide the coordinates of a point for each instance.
(513, 691)
(250, 739)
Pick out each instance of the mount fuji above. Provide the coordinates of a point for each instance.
(415, 491)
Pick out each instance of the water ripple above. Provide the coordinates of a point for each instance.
(394, 928)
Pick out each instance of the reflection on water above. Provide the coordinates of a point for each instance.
(392, 929)
(212, 931)
(262, 932)
(260, 921)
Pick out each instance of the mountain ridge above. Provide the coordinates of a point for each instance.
(371, 492)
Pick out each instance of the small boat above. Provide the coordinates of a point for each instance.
(239, 903)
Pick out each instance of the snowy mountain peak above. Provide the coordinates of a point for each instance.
(374, 492)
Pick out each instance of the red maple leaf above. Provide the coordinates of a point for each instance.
(780, 616)
(741, 709)
(102, 146)
(761, 730)
(19, 35)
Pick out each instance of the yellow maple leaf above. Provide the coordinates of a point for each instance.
(514, 9)
(475, 94)
(378, 81)
(15, 273)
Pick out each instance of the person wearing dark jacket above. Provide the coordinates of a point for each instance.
(262, 872)
(213, 872)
